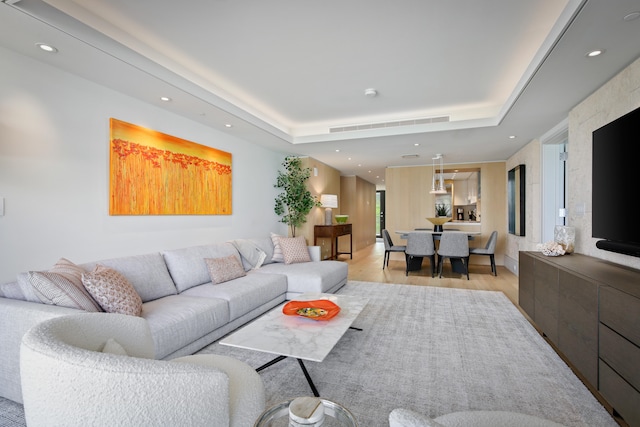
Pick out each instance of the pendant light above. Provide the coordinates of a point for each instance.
(437, 178)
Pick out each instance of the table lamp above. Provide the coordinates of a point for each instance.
(328, 201)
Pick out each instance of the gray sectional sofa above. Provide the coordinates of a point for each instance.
(185, 311)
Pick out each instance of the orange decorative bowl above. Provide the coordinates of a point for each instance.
(320, 309)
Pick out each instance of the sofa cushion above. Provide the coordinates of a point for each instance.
(244, 294)
(147, 273)
(26, 288)
(176, 321)
(315, 276)
(278, 256)
(224, 269)
(251, 254)
(294, 249)
(186, 266)
(112, 291)
(266, 245)
(12, 290)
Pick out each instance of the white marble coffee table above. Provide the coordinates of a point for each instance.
(296, 336)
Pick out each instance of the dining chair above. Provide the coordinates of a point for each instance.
(455, 246)
(389, 247)
(489, 250)
(420, 245)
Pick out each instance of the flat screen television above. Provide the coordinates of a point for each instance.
(616, 185)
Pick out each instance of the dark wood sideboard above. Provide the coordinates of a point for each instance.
(333, 232)
(589, 309)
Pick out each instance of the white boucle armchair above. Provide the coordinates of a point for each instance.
(67, 379)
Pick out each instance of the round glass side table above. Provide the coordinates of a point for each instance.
(336, 415)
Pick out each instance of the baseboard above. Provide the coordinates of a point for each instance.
(511, 264)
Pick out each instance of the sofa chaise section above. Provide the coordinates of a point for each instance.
(315, 276)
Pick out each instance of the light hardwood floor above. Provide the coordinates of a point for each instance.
(366, 265)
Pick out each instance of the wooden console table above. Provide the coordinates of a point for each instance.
(334, 231)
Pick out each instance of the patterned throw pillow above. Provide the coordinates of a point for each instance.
(112, 291)
(294, 250)
(62, 286)
(278, 256)
(224, 269)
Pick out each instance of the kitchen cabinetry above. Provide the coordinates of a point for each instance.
(590, 310)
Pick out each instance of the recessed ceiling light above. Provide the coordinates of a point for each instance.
(165, 98)
(512, 137)
(632, 16)
(228, 125)
(371, 93)
(416, 144)
(47, 47)
(596, 52)
(337, 151)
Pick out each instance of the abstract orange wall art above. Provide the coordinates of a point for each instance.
(152, 173)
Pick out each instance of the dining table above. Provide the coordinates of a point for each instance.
(415, 263)
(436, 234)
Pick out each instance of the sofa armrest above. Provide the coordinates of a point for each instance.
(314, 253)
(16, 318)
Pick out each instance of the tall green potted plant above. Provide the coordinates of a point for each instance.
(295, 202)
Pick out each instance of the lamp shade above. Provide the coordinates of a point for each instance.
(329, 200)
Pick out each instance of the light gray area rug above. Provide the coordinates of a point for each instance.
(433, 350)
(436, 351)
(11, 414)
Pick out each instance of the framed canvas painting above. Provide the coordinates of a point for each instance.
(152, 173)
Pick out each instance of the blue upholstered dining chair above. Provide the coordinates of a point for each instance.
(389, 247)
(420, 245)
(454, 245)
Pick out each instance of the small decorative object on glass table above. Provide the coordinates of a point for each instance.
(438, 222)
(321, 309)
(284, 414)
(341, 219)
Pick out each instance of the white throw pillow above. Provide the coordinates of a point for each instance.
(114, 347)
(278, 256)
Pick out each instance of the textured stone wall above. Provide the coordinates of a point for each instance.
(617, 97)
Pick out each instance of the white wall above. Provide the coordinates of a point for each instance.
(54, 159)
